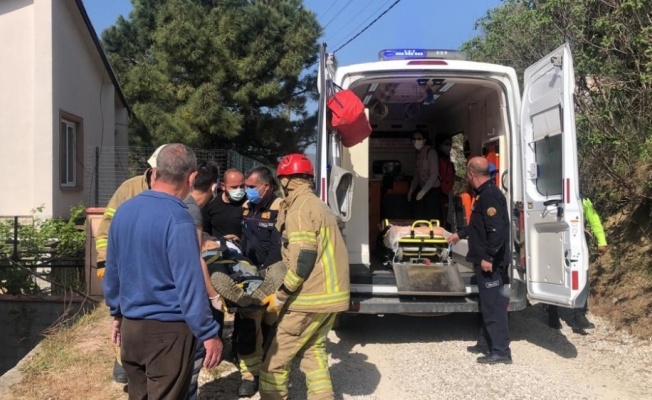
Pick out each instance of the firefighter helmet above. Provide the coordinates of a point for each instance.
(295, 164)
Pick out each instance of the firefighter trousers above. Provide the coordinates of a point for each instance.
(298, 334)
(250, 343)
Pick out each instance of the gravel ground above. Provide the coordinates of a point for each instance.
(401, 357)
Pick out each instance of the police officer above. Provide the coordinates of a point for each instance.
(488, 234)
(261, 244)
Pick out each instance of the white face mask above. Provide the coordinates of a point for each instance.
(418, 144)
(236, 194)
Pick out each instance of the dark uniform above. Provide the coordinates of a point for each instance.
(488, 235)
(261, 241)
(261, 244)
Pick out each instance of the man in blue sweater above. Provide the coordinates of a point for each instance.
(154, 285)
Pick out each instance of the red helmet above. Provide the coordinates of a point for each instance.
(295, 164)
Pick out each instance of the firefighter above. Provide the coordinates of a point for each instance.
(488, 233)
(315, 287)
(261, 244)
(128, 189)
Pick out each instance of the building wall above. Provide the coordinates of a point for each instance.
(18, 124)
(50, 65)
(81, 87)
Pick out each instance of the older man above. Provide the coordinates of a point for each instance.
(488, 233)
(154, 285)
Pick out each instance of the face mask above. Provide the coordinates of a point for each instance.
(418, 144)
(236, 194)
(253, 195)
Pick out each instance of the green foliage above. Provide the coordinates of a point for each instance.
(38, 241)
(612, 52)
(211, 73)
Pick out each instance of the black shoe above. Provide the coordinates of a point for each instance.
(248, 388)
(554, 323)
(119, 373)
(582, 323)
(495, 359)
(478, 349)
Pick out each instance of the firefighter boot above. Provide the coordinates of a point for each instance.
(248, 388)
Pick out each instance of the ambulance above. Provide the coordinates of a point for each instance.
(530, 137)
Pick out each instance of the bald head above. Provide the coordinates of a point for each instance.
(479, 166)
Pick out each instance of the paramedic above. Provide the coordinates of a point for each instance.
(223, 215)
(154, 286)
(203, 191)
(315, 288)
(128, 189)
(580, 322)
(444, 145)
(488, 234)
(425, 186)
(261, 243)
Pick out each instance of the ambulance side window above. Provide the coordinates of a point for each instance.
(548, 154)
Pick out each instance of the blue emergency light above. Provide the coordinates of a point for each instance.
(420, 54)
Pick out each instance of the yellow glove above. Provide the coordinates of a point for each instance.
(273, 303)
(217, 303)
(100, 269)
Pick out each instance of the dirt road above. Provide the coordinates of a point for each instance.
(401, 357)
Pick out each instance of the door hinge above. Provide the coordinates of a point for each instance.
(557, 61)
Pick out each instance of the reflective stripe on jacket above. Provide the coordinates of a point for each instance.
(128, 189)
(307, 224)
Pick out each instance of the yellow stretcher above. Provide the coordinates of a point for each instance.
(419, 239)
(421, 261)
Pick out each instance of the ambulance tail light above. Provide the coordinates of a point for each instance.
(575, 280)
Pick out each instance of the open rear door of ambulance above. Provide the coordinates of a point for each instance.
(334, 183)
(321, 146)
(556, 253)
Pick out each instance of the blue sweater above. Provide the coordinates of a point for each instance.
(152, 265)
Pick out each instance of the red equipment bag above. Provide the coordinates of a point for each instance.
(349, 118)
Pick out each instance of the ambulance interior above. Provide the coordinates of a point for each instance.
(469, 109)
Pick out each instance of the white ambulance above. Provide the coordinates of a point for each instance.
(438, 91)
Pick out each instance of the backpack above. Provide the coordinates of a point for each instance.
(349, 117)
(446, 174)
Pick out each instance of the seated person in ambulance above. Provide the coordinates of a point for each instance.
(425, 190)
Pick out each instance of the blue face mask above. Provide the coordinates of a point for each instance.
(253, 195)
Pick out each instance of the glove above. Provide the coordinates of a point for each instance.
(217, 303)
(409, 196)
(100, 269)
(420, 195)
(273, 303)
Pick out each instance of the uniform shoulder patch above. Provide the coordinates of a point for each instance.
(491, 211)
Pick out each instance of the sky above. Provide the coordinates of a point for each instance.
(429, 24)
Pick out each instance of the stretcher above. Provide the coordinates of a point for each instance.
(241, 284)
(420, 258)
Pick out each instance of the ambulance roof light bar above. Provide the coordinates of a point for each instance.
(420, 54)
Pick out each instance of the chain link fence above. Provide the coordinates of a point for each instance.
(110, 166)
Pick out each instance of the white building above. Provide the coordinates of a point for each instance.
(58, 97)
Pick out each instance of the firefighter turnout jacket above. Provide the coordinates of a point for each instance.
(128, 189)
(314, 252)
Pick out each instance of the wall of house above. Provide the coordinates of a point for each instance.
(81, 87)
(18, 76)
